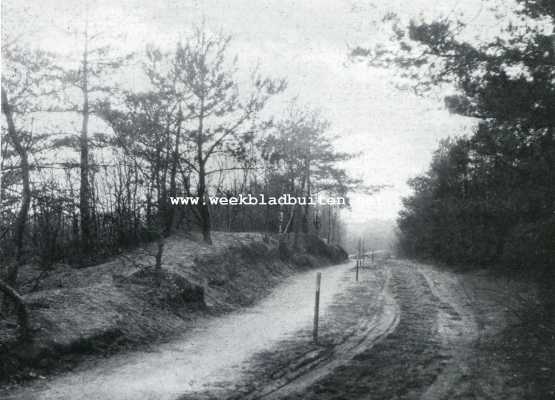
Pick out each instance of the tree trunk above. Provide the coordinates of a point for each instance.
(204, 212)
(329, 224)
(21, 220)
(173, 175)
(203, 206)
(306, 216)
(297, 225)
(290, 220)
(84, 210)
(21, 310)
(163, 209)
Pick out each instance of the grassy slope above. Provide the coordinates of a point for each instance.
(121, 303)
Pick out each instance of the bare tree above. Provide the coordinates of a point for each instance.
(22, 75)
(222, 119)
(26, 190)
(91, 78)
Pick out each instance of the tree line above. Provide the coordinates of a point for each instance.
(488, 198)
(195, 127)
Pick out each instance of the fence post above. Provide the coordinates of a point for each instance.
(316, 307)
(359, 257)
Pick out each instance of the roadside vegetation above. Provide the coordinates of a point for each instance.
(89, 161)
(79, 314)
(487, 201)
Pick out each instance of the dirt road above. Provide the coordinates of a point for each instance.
(403, 331)
(210, 356)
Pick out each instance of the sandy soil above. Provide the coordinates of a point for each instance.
(123, 305)
(403, 331)
(450, 336)
(211, 355)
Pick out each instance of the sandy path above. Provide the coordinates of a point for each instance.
(366, 330)
(403, 331)
(405, 359)
(361, 315)
(428, 351)
(211, 355)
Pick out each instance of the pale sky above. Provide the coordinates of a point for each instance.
(305, 42)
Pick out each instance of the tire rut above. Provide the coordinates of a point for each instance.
(402, 365)
(366, 333)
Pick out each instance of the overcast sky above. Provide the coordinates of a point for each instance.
(305, 42)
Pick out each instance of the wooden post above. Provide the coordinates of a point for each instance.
(358, 262)
(359, 259)
(316, 307)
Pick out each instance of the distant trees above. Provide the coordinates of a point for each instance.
(488, 198)
(89, 164)
(91, 78)
(193, 113)
(301, 156)
(185, 136)
(223, 119)
(483, 201)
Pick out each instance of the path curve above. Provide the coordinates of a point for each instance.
(210, 355)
